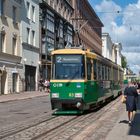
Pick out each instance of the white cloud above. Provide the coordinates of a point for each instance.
(128, 32)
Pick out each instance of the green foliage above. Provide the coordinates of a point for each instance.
(124, 62)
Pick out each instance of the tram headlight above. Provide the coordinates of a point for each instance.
(78, 95)
(55, 95)
(78, 105)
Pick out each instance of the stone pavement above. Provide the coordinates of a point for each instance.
(22, 95)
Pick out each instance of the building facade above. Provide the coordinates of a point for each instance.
(107, 46)
(56, 30)
(10, 52)
(116, 53)
(29, 32)
(87, 26)
(111, 50)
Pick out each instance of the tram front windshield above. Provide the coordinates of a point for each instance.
(68, 67)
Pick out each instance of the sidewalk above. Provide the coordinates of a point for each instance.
(22, 95)
(122, 131)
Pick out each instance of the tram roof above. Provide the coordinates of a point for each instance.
(68, 51)
(75, 51)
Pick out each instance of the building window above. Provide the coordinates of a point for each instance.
(28, 9)
(14, 46)
(14, 14)
(50, 21)
(50, 44)
(2, 7)
(2, 42)
(33, 13)
(28, 35)
(51, 3)
(33, 38)
(61, 29)
(69, 35)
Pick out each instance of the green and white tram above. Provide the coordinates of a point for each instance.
(81, 80)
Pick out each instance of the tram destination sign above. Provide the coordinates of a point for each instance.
(68, 59)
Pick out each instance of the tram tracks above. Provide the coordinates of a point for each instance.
(70, 129)
(61, 127)
(18, 127)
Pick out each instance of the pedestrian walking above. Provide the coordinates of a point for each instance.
(40, 84)
(47, 85)
(131, 96)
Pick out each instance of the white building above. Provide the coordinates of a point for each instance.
(30, 42)
(107, 46)
(116, 57)
(111, 50)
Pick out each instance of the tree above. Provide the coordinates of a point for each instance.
(124, 62)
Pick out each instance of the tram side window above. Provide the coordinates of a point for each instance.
(106, 73)
(109, 73)
(112, 71)
(97, 77)
(99, 71)
(121, 76)
(89, 69)
(115, 74)
(95, 69)
(103, 72)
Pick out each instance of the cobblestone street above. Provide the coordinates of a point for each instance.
(96, 125)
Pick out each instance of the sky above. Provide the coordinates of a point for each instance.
(121, 19)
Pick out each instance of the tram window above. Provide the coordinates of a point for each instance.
(89, 69)
(103, 75)
(113, 78)
(97, 77)
(95, 69)
(99, 71)
(115, 74)
(68, 67)
(111, 75)
(106, 72)
(68, 71)
(121, 75)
